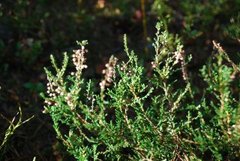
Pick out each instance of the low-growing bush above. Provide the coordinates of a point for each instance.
(136, 113)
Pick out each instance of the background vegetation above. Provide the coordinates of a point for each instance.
(32, 30)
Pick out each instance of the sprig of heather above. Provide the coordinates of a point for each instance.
(109, 73)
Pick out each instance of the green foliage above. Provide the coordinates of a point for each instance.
(199, 18)
(163, 10)
(15, 123)
(131, 116)
(233, 29)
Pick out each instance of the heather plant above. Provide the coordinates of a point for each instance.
(136, 113)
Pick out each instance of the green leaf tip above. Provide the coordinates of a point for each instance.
(82, 43)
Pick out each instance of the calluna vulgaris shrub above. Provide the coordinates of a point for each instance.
(140, 114)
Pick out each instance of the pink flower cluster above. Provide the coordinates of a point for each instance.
(79, 59)
(109, 73)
